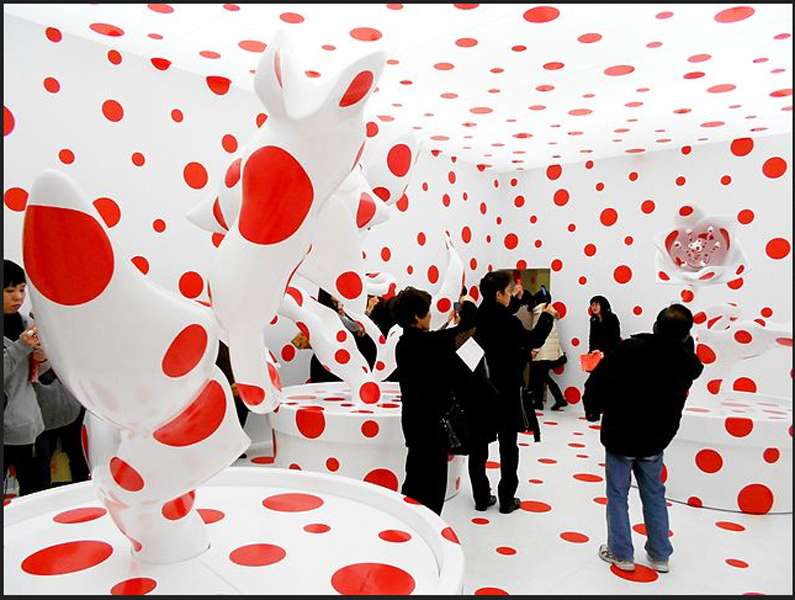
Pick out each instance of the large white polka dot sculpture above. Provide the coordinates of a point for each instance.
(733, 450)
(310, 143)
(139, 358)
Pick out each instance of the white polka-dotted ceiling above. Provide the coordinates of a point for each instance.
(504, 86)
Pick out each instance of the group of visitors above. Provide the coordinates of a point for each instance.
(638, 390)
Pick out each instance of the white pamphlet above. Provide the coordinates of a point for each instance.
(471, 353)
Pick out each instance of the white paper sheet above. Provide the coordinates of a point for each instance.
(471, 353)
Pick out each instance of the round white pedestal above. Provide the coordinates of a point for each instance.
(317, 428)
(272, 532)
(733, 452)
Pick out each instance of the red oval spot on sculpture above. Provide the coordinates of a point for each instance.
(185, 351)
(370, 393)
(394, 535)
(210, 515)
(449, 534)
(383, 477)
(311, 423)
(198, 421)
(709, 461)
(251, 394)
(372, 579)
(366, 210)
(68, 557)
(292, 502)
(357, 89)
(125, 476)
(257, 555)
(739, 426)
(218, 85)
(67, 255)
(350, 285)
(179, 507)
(756, 499)
(277, 196)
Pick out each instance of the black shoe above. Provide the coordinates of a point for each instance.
(516, 503)
(559, 406)
(481, 506)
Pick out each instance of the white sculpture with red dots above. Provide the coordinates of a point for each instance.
(733, 450)
(310, 143)
(142, 361)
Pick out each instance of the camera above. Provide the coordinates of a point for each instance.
(457, 306)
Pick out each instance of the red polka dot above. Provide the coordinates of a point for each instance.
(777, 248)
(732, 15)
(587, 477)
(317, 528)
(198, 421)
(71, 277)
(608, 217)
(217, 84)
(195, 175)
(433, 274)
(394, 535)
(68, 557)
(383, 477)
(619, 70)
(357, 89)
(774, 167)
(449, 534)
(622, 274)
(137, 586)
(257, 555)
(179, 507)
(185, 351)
(771, 455)
(8, 121)
(125, 476)
(210, 515)
(79, 515)
(15, 199)
(734, 562)
(370, 393)
(51, 85)
(534, 506)
(506, 551)
(561, 197)
(641, 574)
(729, 526)
(350, 285)
(744, 384)
(399, 160)
(332, 464)
(191, 284)
(574, 537)
(310, 422)
(709, 461)
(705, 354)
(541, 14)
(742, 146)
(292, 502)
(365, 34)
(277, 194)
(53, 34)
(490, 591)
(106, 29)
(342, 356)
(112, 110)
(511, 241)
(372, 579)
(292, 18)
(108, 210)
(738, 426)
(745, 216)
(756, 499)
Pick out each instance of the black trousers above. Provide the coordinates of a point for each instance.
(31, 463)
(509, 467)
(540, 376)
(426, 475)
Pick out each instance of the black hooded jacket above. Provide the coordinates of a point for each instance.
(641, 388)
(605, 333)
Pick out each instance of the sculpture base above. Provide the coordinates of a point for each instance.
(271, 532)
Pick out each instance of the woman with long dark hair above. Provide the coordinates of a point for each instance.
(605, 328)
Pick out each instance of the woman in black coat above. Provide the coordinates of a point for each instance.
(426, 370)
(605, 329)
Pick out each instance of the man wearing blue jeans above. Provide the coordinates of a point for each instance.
(640, 391)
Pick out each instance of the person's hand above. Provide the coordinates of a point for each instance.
(551, 310)
(533, 353)
(517, 290)
(453, 317)
(234, 390)
(38, 355)
(31, 337)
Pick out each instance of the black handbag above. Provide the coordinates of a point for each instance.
(529, 417)
(458, 428)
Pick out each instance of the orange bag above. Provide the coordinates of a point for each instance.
(589, 361)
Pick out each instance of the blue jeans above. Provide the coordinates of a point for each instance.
(648, 472)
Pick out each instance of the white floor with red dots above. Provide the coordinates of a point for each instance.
(550, 546)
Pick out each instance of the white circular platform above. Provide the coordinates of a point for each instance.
(733, 452)
(271, 532)
(319, 428)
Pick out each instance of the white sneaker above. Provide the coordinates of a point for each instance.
(607, 556)
(661, 566)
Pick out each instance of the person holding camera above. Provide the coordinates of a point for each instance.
(640, 388)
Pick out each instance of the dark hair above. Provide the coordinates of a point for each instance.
(603, 302)
(494, 282)
(674, 323)
(12, 274)
(411, 304)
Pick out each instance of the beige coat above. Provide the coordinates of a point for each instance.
(551, 349)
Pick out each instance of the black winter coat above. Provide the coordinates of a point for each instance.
(641, 388)
(507, 345)
(604, 334)
(426, 372)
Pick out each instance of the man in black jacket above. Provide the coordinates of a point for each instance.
(506, 344)
(641, 388)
